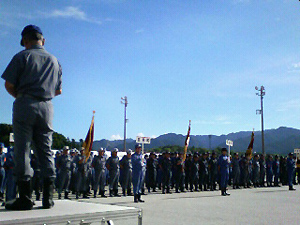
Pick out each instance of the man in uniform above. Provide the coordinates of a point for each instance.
(255, 171)
(262, 173)
(179, 173)
(203, 176)
(81, 174)
(213, 171)
(137, 172)
(64, 172)
(187, 170)
(291, 170)
(33, 77)
(246, 171)
(276, 170)
(2, 171)
(36, 179)
(126, 171)
(166, 167)
(236, 171)
(151, 170)
(11, 189)
(194, 173)
(98, 164)
(269, 168)
(223, 167)
(113, 166)
(72, 186)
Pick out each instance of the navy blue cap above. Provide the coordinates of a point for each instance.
(30, 29)
(138, 146)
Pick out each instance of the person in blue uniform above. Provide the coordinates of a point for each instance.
(276, 170)
(126, 173)
(235, 164)
(213, 171)
(113, 166)
(262, 172)
(179, 173)
(36, 181)
(291, 164)
(255, 171)
(11, 188)
(203, 170)
(138, 165)
(223, 167)
(98, 164)
(81, 175)
(269, 170)
(151, 171)
(166, 167)
(64, 172)
(2, 171)
(33, 78)
(194, 173)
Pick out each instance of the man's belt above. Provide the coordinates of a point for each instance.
(20, 95)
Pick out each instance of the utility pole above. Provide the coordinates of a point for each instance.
(125, 102)
(261, 92)
(209, 142)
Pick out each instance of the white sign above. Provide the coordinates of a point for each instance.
(143, 140)
(11, 137)
(229, 142)
(297, 151)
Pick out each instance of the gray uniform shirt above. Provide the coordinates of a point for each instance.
(24, 72)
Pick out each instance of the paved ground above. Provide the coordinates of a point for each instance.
(274, 205)
(244, 206)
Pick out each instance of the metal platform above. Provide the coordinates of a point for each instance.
(70, 212)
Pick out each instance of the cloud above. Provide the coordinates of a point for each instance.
(115, 137)
(140, 135)
(296, 65)
(290, 105)
(139, 31)
(73, 13)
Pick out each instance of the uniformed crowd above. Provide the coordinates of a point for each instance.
(167, 172)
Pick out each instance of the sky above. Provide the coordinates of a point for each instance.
(174, 60)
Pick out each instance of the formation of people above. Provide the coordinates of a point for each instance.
(136, 174)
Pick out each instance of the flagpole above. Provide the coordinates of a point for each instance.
(125, 102)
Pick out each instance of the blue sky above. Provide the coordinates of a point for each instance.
(175, 61)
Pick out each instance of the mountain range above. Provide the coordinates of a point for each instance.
(277, 141)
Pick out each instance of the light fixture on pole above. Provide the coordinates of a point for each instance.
(125, 102)
(261, 92)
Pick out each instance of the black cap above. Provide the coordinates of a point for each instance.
(30, 29)
(138, 146)
(224, 149)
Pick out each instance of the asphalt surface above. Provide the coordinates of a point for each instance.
(275, 205)
(272, 205)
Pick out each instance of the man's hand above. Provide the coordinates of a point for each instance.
(58, 92)
(10, 88)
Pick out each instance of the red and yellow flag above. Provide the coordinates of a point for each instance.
(187, 141)
(250, 147)
(88, 143)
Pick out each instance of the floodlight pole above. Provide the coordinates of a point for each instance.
(125, 102)
(261, 92)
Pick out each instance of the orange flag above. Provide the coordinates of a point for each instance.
(88, 143)
(187, 141)
(250, 147)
